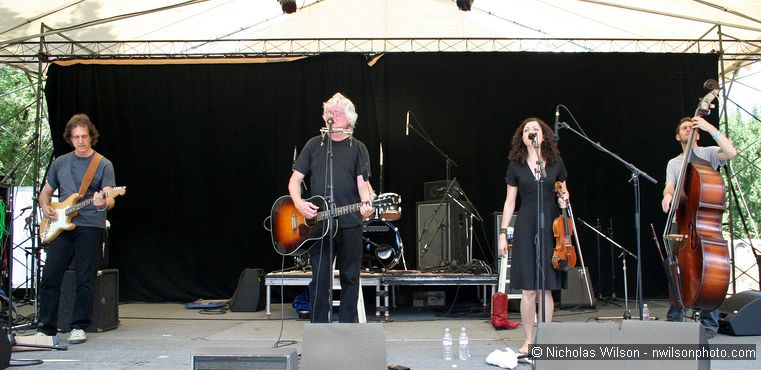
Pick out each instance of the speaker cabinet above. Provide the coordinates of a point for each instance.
(105, 305)
(576, 334)
(343, 346)
(740, 314)
(579, 293)
(248, 296)
(244, 358)
(441, 234)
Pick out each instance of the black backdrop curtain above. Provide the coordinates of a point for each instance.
(204, 149)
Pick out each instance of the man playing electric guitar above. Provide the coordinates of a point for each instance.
(87, 172)
(351, 173)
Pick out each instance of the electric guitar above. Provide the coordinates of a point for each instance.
(292, 232)
(66, 210)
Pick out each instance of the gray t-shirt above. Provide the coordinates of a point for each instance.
(709, 154)
(66, 173)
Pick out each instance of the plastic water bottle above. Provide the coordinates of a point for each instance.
(464, 342)
(645, 312)
(446, 342)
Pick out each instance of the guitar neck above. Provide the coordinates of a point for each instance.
(82, 204)
(339, 211)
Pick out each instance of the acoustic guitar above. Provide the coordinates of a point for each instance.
(66, 210)
(292, 233)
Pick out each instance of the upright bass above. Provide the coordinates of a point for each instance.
(700, 259)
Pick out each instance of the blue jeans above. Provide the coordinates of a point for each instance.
(709, 319)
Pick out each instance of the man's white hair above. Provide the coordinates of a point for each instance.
(339, 99)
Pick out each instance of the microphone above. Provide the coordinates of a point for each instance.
(556, 136)
(407, 126)
(330, 121)
(532, 137)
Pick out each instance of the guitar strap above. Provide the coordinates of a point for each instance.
(89, 174)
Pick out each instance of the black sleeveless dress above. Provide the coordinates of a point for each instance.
(523, 261)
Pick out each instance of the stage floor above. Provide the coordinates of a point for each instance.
(163, 336)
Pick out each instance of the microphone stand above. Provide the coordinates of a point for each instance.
(331, 214)
(539, 175)
(448, 161)
(627, 315)
(634, 179)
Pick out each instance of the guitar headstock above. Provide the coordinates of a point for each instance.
(117, 191)
(386, 199)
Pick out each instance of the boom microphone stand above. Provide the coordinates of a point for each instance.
(448, 161)
(634, 179)
(627, 315)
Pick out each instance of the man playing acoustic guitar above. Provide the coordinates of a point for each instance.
(351, 173)
(71, 173)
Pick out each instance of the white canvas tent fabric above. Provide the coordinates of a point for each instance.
(226, 27)
(315, 19)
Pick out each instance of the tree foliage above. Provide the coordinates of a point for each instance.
(18, 109)
(745, 134)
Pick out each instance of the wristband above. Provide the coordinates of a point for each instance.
(101, 209)
(716, 135)
(503, 231)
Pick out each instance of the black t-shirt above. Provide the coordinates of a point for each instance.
(350, 159)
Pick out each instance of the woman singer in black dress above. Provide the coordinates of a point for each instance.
(521, 179)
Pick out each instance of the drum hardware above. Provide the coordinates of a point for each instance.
(382, 247)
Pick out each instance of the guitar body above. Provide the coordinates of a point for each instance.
(703, 259)
(66, 211)
(50, 230)
(292, 233)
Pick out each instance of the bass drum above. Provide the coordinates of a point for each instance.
(382, 247)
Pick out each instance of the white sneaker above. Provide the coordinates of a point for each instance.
(77, 336)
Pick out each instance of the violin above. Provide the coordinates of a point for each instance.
(564, 256)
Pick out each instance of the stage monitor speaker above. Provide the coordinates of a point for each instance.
(362, 346)
(441, 235)
(244, 358)
(740, 314)
(105, 305)
(579, 294)
(630, 332)
(248, 296)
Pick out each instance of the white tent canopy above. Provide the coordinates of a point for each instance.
(107, 29)
(391, 19)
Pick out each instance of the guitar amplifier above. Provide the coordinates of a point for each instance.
(105, 305)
